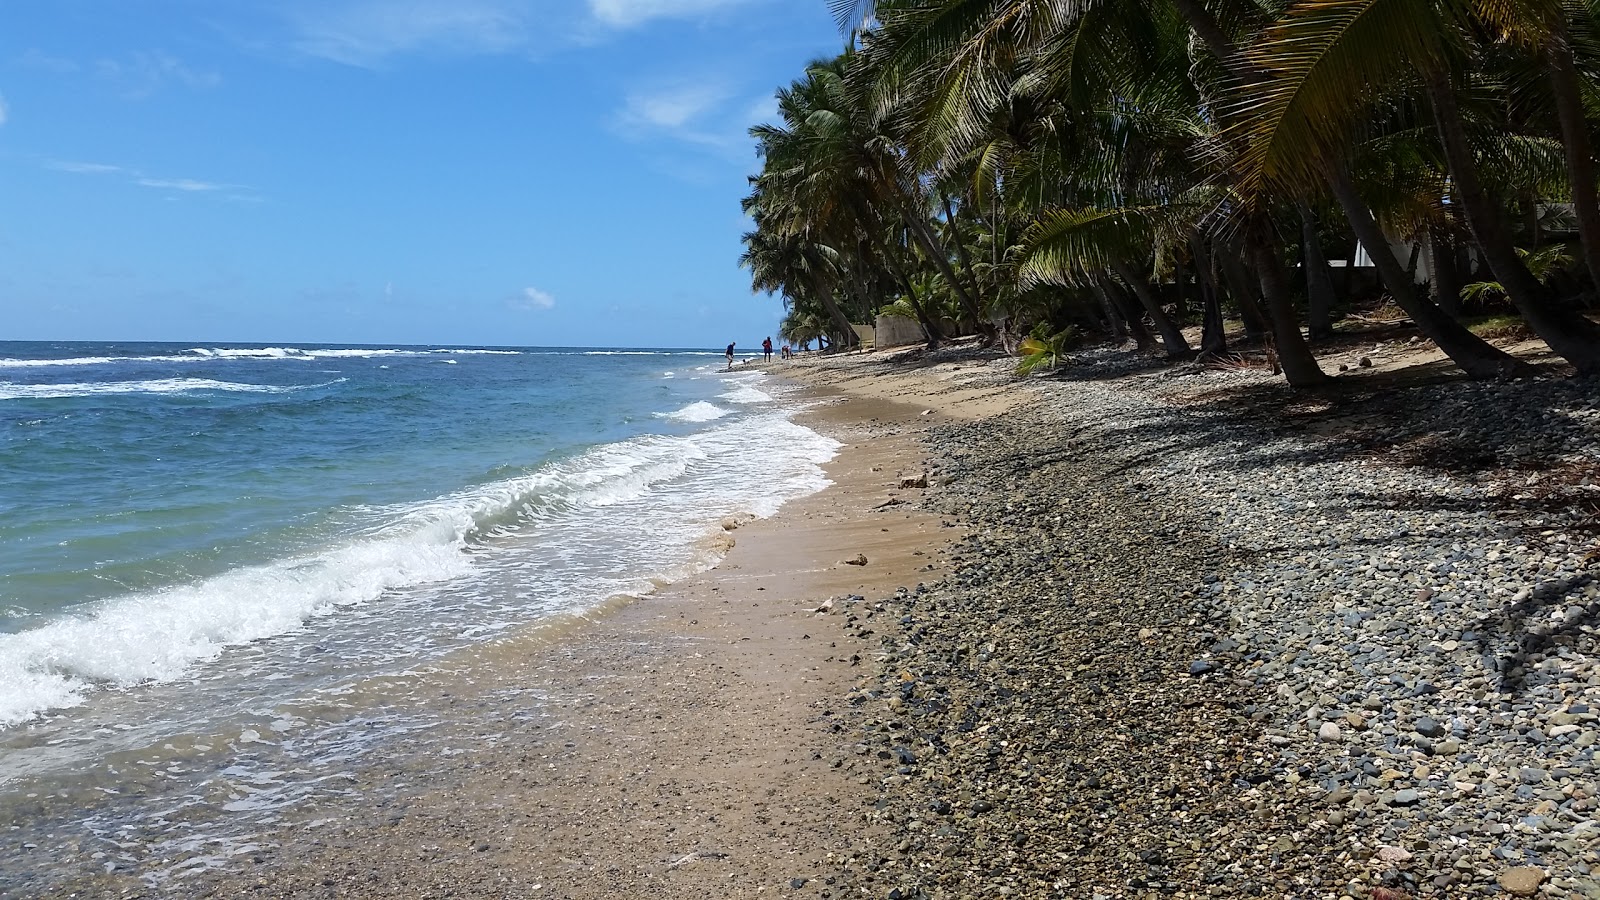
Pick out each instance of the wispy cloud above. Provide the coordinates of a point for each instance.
(143, 73)
(533, 298)
(34, 58)
(628, 13)
(706, 114)
(368, 32)
(83, 168)
(676, 109)
(189, 185)
(5, 110)
(134, 176)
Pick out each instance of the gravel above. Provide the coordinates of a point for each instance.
(1204, 638)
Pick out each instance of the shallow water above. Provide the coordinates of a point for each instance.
(223, 569)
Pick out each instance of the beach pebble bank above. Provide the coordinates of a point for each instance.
(1193, 650)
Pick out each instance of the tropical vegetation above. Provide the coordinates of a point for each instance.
(1130, 167)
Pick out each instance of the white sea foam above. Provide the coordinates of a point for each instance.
(11, 391)
(160, 635)
(746, 394)
(661, 493)
(696, 412)
(10, 363)
(203, 354)
(649, 353)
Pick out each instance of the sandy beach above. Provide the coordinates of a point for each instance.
(1117, 634)
(691, 743)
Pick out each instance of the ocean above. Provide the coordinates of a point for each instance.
(220, 564)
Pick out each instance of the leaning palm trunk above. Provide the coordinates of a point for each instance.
(929, 329)
(961, 248)
(1569, 334)
(1578, 148)
(930, 245)
(1113, 295)
(840, 320)
(1172, 339)
(1294, 355)
(1473, 354)
(1114, 324)
(1246, 293)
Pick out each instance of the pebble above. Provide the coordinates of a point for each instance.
(1174, 619)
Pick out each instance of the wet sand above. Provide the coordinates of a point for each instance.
(688, 744)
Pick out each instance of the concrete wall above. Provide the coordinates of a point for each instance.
(895, 331)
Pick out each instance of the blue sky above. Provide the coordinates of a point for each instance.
(508, 172)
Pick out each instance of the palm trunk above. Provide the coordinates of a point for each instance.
(930, 330)
(1180, 282)
(1578, 147)
(1443, 276)
(1119, 331)
(1213, 339)
(1206, 27)
(1294, 355)
(1142, 338)
(840, 320)
(1319, 283)
(1473, 354)
(1569, 334)
(961, 248)
(1171, 336)
(1245, 293)
(930, 245)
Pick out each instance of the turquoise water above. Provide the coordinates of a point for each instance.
(204, 540)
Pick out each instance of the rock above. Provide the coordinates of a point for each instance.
(1394, 856)
(860, 559)
(797, 883)
(920, 481)
(1407, 797)
(1201, 667)
(1364, 362)
(1522, 881)
(1329, 732)
(1428, 727)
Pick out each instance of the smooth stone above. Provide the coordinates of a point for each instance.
(1522, 881)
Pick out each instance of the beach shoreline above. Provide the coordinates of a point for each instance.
(1116, 636)
(683, 743)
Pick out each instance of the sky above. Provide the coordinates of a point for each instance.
(478, 172)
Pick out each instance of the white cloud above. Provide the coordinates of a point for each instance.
(628, 13)
(141, 74)
(367, 32)
(181, 184)
(672, 109)
(34, 58)
(83, 168)
(5, 110)
(533, 298)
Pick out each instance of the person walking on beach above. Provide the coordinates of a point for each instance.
(730, 357)
(766, 349)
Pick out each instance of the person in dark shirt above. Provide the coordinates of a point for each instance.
(766, 349)
(730, 357)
